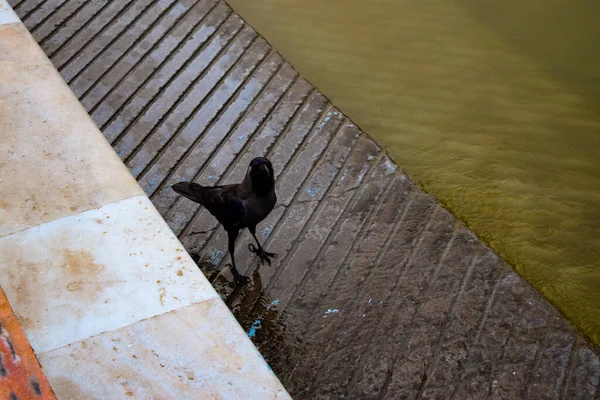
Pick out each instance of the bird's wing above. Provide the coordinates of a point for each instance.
(220, 201)
(223, 203)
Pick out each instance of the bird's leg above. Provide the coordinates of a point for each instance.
(237, 277)
(259, 251)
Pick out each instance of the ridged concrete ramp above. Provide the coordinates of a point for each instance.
(378, 292)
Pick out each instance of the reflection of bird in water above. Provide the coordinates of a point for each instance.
(238, 206)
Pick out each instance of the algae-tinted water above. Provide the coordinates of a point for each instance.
(491, 106)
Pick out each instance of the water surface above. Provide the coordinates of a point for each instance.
(492, 106)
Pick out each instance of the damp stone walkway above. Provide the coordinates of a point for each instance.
(378, 291)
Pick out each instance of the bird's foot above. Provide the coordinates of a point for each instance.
(264, 256)
(237, 277)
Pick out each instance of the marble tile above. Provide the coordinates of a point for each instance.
(199, 352)
(97, 271)
(54, 162)
(7, 15)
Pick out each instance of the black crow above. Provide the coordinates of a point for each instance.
(238, 206)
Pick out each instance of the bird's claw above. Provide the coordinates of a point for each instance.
(264, 256)
(237, 277)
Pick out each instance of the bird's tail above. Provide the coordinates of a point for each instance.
(191, 190)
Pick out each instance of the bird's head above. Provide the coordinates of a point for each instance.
(262, 175)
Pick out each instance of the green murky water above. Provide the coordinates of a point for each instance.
(492, 106)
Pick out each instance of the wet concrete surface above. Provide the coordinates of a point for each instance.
(377, 292)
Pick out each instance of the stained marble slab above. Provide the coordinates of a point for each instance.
(54, 162)
(97, 271)
(199, 352)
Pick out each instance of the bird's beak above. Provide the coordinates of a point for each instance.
(266, 169)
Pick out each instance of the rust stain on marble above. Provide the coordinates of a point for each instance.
(81, 263)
